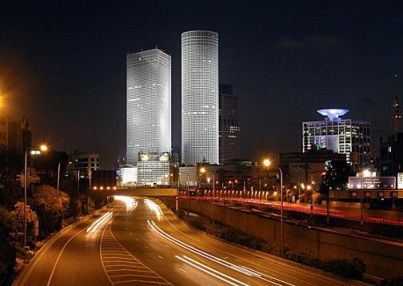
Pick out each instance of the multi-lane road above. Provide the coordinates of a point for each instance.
(136, 241)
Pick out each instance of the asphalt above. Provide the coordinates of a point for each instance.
(146, 244)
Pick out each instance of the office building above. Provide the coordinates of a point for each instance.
(345, 136)
(153, 168)
(148, 103)
(307, 167)
(229, 129)
(391, 155)
(200, 97)
(85, 163)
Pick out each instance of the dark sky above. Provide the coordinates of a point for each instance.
(63, 64)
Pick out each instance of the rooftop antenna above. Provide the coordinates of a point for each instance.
(397, 115)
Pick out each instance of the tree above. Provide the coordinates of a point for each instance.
(335, 178)
(50, 208)
(18, 214)
(7, 248)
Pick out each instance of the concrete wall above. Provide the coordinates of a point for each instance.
(382, 259)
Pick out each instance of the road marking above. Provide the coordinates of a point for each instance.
(124, 268)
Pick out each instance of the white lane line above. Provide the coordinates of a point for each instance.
(209, 272)
(124, 267)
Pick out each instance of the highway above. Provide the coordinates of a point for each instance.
(136, 241)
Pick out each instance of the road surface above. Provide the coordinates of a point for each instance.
(138, 241)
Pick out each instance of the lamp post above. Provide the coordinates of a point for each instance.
(58, 179)
(202, 171)
(42, 148)
(267, 163)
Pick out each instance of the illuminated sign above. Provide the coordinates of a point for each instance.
(400, 180)
(372, 183)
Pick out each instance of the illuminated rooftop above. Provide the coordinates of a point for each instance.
(333, 114)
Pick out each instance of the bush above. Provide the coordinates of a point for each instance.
(346, 268)
(397, 281)
(7, 249)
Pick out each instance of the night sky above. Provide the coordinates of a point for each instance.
(63, 64)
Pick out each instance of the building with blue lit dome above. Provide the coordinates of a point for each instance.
(345, 136)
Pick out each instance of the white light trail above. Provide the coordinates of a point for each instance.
(211, 271)
(154, 207)
(243, 270)
(96, 224)
(130, 202)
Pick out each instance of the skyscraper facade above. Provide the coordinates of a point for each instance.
(229, 129)
(200, 97)
(148, 113)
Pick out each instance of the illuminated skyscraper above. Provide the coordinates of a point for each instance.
(345, 136)
(148, 113)
(200, 97)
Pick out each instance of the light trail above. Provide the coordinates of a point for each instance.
(130, 202)
(96, 224)
(217, 274)
(154, 207)
(215, 259)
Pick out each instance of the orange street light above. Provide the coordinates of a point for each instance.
(43, 148)
(266, 162)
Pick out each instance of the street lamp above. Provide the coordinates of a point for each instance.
(202, 171)
(43, 148)
(267, 163)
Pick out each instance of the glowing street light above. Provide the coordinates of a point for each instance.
(43, 148)
(202, 171)
(267, 163)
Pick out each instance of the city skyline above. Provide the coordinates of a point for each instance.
(299, 52)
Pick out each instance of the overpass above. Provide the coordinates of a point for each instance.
(139, 191)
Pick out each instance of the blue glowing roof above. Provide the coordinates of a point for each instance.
(333, 113)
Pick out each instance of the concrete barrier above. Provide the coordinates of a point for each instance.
(382, 258)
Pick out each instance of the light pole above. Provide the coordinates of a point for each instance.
(58, 179)
(202, 171)
(25, 195)
(267, 163)
(42, 148)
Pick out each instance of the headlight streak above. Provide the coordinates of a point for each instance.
(206, 255)
(130, 202)
(96, 224)
(211, 271)
(154, 207)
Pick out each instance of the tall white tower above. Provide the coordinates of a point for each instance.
(148, 113)
(200, 97)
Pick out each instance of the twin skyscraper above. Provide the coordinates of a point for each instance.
(149, 100)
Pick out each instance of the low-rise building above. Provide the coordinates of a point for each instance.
(86, 163)
(307, 167)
